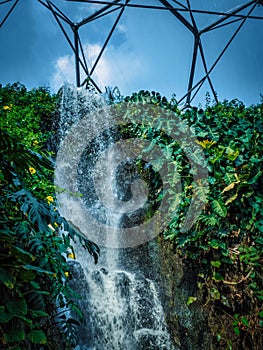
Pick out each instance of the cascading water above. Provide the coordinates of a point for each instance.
(121, 305)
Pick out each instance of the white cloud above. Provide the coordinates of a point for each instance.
(64, 72)
(102, 72)
(115, 68)
(122, 28)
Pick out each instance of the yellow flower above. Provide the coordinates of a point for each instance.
(35, 143)
(49, 199)
(71, 256)
(206, 143)
(7, 108)
(32, 170)
(66, 274)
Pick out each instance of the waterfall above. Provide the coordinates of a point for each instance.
(121, 303)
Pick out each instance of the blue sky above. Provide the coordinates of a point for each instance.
(150, 49)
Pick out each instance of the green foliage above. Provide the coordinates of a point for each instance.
(27, 115)
(34, 239)
(225, 243)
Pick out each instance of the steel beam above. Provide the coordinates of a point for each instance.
(177, 8)
(9, 12)
(76, 52)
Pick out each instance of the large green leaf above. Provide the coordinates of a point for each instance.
(37, 269)
(39, 313)
(37, 337)
(14, 335)
(7, 278)
(27, 275)
(21, 254)
(5, 234)
(20, 155)
(231, 199)
(17, 306)
(38, 212)
(219, 207)
(4, 315)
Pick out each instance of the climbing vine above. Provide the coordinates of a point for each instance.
(225, 244)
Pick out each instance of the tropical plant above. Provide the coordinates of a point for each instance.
(37, 306)
(225, 244)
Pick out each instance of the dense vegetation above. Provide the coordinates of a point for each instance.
(36, 302)
(225, 244)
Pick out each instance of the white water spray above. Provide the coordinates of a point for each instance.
(122, 307)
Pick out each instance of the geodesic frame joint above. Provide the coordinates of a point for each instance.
(115, 5)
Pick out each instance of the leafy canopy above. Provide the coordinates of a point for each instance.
(226, 242)
(35, 240)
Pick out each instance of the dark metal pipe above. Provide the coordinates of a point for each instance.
(167, 8)
(8, 13)
(201, 81)
(107, 39)
(97, 13)
(192, 72)
(227, 15)
(206, 70)
(48, 6)
(178, 15)
(76, 52)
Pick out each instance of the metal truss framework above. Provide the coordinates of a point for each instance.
(176, 8)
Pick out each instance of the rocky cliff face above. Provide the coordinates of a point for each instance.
(163, 283)
(187, 323)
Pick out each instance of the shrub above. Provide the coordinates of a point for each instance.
(36, 302)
